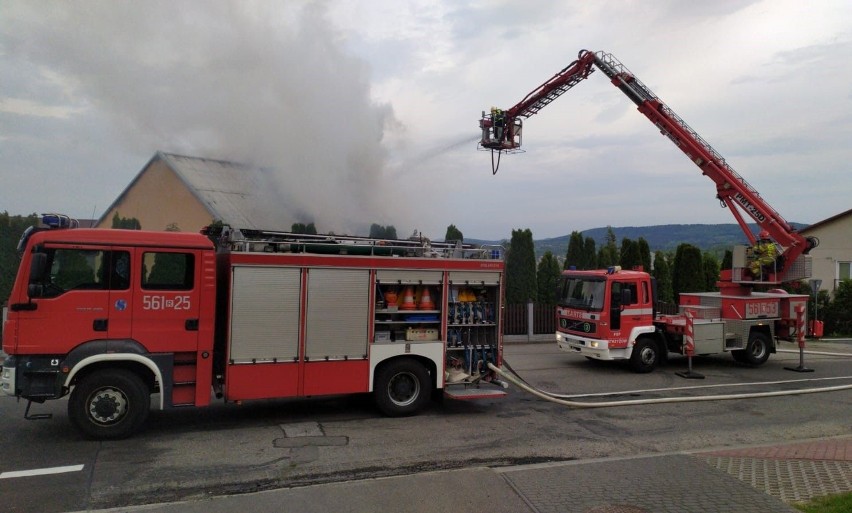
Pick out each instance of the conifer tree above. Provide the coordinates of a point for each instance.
(710, 266)
(608, 254)
(688, 270)
(453, 234)
(838, 315)
(520, 268)
(644, 254)
(126, 223)
(662, 272)
(575, 255)
(302, 228)
(547, 277)
(629, 254)
(11, 229)
(727, 260)
(590, 256)
(382, 232)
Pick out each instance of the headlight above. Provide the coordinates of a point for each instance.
(7, 382)
(593, 344)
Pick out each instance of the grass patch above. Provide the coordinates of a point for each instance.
(841, 503)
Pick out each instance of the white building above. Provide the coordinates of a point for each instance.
(832, 259)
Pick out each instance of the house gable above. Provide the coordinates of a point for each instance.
(190, 192)
(158, 198)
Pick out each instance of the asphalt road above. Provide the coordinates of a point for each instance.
(197, 453)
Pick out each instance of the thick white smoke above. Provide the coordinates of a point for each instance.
(266, 84)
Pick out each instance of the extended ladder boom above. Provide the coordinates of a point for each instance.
(560, 83)
(501, 132)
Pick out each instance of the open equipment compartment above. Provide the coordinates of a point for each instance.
(408, 305)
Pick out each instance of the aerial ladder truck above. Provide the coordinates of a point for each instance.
(611, 314)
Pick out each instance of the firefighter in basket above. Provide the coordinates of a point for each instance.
(498, 117)
(764, 254)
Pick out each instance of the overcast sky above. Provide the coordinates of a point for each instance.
(368, 110)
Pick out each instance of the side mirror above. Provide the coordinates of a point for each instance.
(38, 268)
(626, 297)
(35, 290)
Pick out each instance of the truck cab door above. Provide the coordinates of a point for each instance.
(631, 305)
(68, 304)
(627, 305)
(615, 305)
(166, 299)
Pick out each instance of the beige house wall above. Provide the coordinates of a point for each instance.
(157, 199)
(835, 245)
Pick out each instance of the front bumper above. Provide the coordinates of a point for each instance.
(590, 347)
(35, 377)
(7, 377)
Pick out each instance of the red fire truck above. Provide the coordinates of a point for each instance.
(610, 314)
(114, 316)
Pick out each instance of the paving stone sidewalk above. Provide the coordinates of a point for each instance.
(794, 472)
(654, 484)
(763, 479)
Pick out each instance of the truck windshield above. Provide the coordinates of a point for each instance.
(584, 293)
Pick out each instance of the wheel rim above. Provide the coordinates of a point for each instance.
(647, 355)
(758, 348)
(107, 405)
(403, 389)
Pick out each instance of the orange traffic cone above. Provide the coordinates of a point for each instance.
(390, 298)
(426, 302)
(408, 299)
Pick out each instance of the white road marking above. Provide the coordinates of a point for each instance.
(41, 471)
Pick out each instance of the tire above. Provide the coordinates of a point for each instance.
(109, 404)
(757, 350)
(645, 356)
(402, 388)
(739, 355)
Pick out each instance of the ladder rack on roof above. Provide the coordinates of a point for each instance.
(268, 241)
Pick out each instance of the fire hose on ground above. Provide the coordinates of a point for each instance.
(818, 353)
(516, 380)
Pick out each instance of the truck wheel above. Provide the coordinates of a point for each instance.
(645, 356)
(109, 404)
(402, 388)
(757, 350)
(739, 355)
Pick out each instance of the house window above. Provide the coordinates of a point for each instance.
(844, 271)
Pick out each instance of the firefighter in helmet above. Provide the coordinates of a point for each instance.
(763, 254)
(498, 118)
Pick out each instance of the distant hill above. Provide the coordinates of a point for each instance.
(709, 237)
